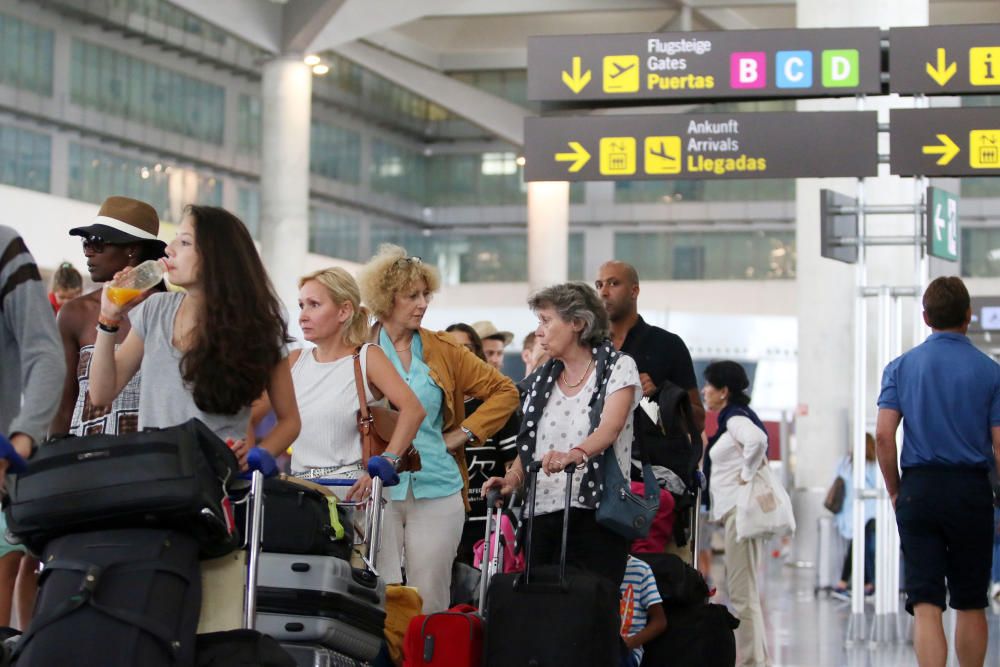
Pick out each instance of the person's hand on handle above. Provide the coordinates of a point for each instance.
(16, 454)
(240, 448)
(556, 462)
(361, 488)
(506, 485)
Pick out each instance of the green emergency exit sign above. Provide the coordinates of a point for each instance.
(942, 224)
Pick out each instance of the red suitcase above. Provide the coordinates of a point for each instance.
(454, 638)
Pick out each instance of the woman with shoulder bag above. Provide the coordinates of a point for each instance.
(329, 444)
(737, 450)
(578, 405)
(429, 506)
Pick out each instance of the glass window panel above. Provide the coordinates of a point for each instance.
(144, 92)
(709, 256)
(25, 158)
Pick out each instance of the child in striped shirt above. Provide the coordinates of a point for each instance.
(641, 608)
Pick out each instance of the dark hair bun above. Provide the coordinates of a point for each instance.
(732, 376)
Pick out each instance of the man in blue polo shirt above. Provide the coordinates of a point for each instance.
(947, 394)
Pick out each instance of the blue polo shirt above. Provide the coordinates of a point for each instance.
(949, 395)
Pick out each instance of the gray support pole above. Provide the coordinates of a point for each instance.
(856, 627)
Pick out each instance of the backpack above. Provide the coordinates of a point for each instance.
(672, 442)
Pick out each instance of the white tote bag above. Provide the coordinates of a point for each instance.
(763, 508)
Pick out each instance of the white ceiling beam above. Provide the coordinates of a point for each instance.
(304, 20)
(357, 19)
(484, 60)
(491, 8)
(725, 19)
(256, 21)
(494, 114)
(739, 4)
(407, 47)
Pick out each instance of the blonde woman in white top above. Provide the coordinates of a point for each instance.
(329, 445)
(737, 450)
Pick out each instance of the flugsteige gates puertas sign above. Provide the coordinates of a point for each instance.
(704, 65)
(701, 146)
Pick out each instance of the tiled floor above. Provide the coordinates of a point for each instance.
(809, 631)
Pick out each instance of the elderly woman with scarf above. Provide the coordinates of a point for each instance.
(736, 451)
(577, 405)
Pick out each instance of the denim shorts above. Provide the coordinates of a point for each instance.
(945, 520)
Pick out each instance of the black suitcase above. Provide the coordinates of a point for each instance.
(297, 521)
(175, 477)
(116, 598)
(550, 617)
(699, 636)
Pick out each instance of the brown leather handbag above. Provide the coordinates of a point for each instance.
(376, 424)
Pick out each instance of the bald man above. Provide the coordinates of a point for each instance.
(660, 355)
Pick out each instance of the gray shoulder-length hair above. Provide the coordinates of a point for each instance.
(576, 302)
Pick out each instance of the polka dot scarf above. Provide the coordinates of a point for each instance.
(539, 389)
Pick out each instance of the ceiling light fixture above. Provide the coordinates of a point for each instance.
(320, 70)
(312, 60)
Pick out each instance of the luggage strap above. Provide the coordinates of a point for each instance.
(85, 595)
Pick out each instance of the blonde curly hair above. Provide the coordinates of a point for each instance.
(389, 272)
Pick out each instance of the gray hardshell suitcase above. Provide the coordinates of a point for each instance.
(320, 573)
(323, 599)
(310, 655)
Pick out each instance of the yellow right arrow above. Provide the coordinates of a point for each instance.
(947, 150)
(576, 81)
(943, 72)
(578, 157)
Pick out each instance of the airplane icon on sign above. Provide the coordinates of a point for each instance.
(619, 70)
(661, 152)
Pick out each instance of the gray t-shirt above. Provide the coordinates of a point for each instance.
(164, 400)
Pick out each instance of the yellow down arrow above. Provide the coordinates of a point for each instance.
(578, 157)
(947, 150)
(943, 72)
(576, 81)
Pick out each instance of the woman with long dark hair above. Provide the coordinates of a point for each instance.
(207, 352)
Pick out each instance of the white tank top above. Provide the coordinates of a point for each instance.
(328, 405)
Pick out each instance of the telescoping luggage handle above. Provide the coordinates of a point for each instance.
(492, 562)
(524, 582)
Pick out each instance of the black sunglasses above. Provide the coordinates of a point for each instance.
(94, 243)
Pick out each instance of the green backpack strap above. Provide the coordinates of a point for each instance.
(338, 528)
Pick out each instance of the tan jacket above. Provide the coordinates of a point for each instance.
(460, 373)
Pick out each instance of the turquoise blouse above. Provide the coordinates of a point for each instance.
(439, 475)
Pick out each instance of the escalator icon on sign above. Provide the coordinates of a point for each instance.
(662, 155)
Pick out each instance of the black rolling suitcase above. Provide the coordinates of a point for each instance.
(174, 477)
(551, 617)
(115, 598)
